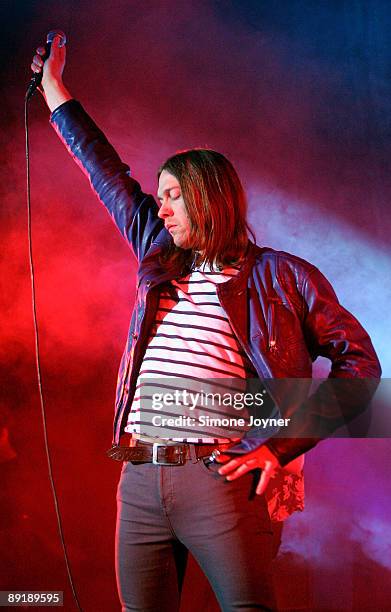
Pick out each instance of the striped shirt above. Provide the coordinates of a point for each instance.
(191, 344)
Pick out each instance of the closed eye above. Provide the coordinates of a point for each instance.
(175, 194)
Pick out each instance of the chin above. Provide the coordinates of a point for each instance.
(182, 244)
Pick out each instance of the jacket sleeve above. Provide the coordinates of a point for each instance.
(333, 332)
(134, 212)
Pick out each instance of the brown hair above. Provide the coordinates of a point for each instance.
(216, 205)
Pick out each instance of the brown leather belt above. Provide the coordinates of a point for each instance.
(137, 451)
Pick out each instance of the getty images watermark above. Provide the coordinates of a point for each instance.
(192, 401)
(182, 406)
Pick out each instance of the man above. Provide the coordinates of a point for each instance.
(210, 305)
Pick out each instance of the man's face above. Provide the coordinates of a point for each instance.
(173, 210)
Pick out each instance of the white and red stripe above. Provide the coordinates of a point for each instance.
(191, 339)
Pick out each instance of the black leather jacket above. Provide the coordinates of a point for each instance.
(283, 311)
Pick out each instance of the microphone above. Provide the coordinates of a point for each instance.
(37, 77)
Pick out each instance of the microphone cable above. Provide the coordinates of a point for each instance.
(38, 366)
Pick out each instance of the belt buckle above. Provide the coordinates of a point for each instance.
(155, 460)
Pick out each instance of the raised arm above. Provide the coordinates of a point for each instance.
(134, 212)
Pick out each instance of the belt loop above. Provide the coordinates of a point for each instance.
(192, 453)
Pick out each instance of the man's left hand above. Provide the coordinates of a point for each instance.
(260, 458)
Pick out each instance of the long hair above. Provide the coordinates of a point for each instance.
(216, 205)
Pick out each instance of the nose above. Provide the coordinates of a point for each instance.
(165, 210)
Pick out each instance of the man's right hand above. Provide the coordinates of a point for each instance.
(53, 87)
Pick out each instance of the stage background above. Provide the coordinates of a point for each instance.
(297, 95)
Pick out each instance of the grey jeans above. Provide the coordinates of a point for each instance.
(164, 511)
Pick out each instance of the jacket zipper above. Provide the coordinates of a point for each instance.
(272, 341)
(140, 340)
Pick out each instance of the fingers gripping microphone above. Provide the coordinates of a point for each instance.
(37, 78)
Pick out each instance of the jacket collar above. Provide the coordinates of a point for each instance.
(151, 270)
(239, 282)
